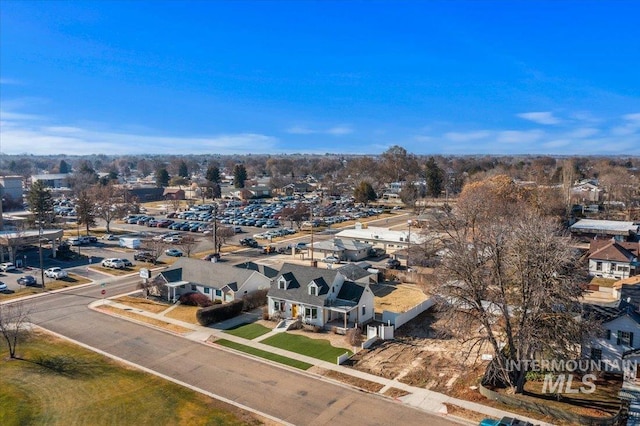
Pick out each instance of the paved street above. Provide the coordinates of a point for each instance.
(288, 395)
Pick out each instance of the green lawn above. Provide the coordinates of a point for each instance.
(315, 348)
(264, 354)
(248, 331)
(58, 383)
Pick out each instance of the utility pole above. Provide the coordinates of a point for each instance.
(311, 220)
(41, 262)
(215, 228)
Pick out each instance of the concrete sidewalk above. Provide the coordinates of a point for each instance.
(424, 399)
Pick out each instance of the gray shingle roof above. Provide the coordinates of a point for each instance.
(299, 277)
(263, 269)
(351, 292)
(215, 275)
(353, 272)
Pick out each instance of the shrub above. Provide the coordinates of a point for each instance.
(265, 313)
(255, 299)
(354, 337)
(217, 313)
(195, 299)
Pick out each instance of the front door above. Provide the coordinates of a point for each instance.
(294, 311)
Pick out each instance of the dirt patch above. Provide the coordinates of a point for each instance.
(351, 380)
(143, 304)
(337, 340)
(184, 313)
(152, 321)
(396, 297)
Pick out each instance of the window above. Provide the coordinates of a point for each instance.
(598, 266)
(313, 290)
(608, 334)
(218, 293)
(194, 287)
(282, 284)
(364, 310)
(625, 338)
(311, 313)
(596, 354)
(207, 290)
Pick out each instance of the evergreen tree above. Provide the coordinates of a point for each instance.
(41, 202)
(162, 177)
(85, 210)
(364, 193)
(64, 167)
(213, 174)
(239, 175)
(183, 170)
(435, 178)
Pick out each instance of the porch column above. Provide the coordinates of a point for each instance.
(345, 319)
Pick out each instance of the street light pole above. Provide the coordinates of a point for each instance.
(215, 228)
(41, 262)
(408, 245)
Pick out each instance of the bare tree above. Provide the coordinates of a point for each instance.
(14, 325)
(108, 203)
(188, 243)
(155, 247)
(510, 276)
(222, 235)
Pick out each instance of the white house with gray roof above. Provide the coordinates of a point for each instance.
(321, 297)
(217, 281)
(343, 249)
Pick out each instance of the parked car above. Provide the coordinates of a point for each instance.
(392, 263)
(56, 273)
(212, 257)
(7, 266)
(3, 286)
(109, 237)
(27, 280)
(113, 262)
(331, 259)
(505, 421)
(144, 256)
(173, 252)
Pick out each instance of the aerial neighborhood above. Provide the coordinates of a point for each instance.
(445, 281)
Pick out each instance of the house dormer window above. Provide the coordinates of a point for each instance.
(313, 289)
(282, 283)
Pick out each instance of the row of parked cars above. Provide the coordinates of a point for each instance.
(116, 263)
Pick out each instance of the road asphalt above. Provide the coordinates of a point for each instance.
(277, 392)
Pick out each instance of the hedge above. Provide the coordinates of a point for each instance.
(195, 299)
(217, 313)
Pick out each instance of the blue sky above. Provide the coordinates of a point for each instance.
(222, 77)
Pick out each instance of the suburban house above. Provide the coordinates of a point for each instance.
(621, 325)
(605, 229)
(321, 297)
(343, 249)
(586, 190)
(295, 188)
(613, 259)
(265, 270)
(215, 280)
(173, 194)
(256, 191)
(630, 392)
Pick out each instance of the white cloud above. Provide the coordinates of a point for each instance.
(335, 131)
(635, 117)
(519, 136)
(467, 136)
(542, 117)
(9, 81)
(583, 132)
(16, 138)
(339, 130)
(300, 130)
